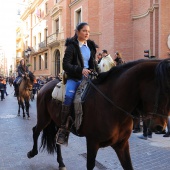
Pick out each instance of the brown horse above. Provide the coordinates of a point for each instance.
(107, 110)
(24, 92)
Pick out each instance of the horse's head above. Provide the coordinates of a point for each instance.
(29, 79)
(162, 97)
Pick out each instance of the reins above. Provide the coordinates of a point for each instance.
(109, 100)
(118, 107)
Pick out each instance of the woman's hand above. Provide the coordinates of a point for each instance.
(86, 72)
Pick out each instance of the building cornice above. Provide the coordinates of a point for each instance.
(56, 9)
(151, 9)
(74, 2)
(31, 7)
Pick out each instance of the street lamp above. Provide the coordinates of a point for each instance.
(28, 52)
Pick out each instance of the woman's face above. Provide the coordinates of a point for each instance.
(84, 33)
(22, 62)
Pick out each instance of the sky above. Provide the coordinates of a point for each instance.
(8, 20)
(8, 30)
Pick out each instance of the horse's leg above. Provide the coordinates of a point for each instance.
(27, 105)
(122, 151)
(23, 110)
(41, 124)
(34, 150)
(59, 158)
(19, 105)
(92, 148)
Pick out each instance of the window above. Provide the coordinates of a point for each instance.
(46, 8)
(45, 33)
(34, 40)
(78, 16)
(39, 36)
(34, 63)
(39, 62)
(35, 19)
(57, 26)
(26, 25)
(46, 61)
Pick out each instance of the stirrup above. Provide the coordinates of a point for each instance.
(62, 136)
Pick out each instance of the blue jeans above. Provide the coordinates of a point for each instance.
(71, 87)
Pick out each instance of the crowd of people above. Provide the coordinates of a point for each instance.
(106, 62)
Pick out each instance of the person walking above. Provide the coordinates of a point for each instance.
(5, 90)
(106, 62)
(78, 62)
(2, 88)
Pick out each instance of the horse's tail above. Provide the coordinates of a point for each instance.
(48, 140)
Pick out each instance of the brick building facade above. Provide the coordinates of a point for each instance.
(127, 26)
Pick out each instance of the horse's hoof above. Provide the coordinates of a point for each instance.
(62, 168)
(24, 117)
(28, 117)
(18, 114)
(30, 154)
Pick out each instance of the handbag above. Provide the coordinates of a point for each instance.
(59, 91)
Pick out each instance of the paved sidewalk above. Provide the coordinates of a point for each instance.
(16, 141)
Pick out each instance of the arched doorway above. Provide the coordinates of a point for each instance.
(57, 63)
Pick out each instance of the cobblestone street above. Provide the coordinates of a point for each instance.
(16, 141)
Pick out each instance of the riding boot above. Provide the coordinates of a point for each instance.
(63, 132)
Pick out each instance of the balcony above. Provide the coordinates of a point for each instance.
(54, 39)
(42, 44)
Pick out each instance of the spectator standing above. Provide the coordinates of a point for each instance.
(147, 133)
(99, 58)
(118, 59)
(106, 62)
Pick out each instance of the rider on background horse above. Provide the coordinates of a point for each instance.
(22, 70)
(78, 61)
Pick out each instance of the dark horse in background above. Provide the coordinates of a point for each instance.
(107, 110)
(24, 92)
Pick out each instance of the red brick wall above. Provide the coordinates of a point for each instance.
(141, 29)
(123, 32)
(164, 31)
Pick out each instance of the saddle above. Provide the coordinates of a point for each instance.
(80, 97)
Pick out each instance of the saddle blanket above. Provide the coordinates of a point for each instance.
(59, 93)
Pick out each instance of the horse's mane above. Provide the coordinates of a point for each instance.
(31, 76)
(118, 70)
(163, 75)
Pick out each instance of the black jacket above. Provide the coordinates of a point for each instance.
(73, 63)
(21, 70)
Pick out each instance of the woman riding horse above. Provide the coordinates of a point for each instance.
(78, 61)
(22, 69)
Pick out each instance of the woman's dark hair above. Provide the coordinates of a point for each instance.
(79, 27)
(23, 66)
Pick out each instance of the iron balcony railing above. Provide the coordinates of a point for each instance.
(52, 38)
(43, 44)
